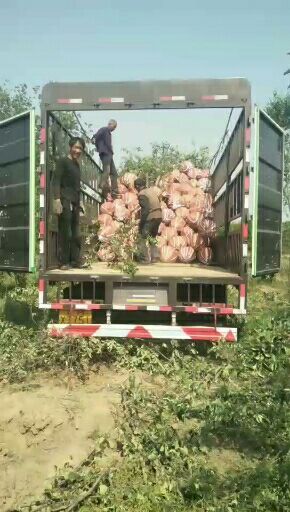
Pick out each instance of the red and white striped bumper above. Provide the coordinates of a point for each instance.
(195, 333)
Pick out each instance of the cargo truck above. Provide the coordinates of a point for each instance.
(162, 301)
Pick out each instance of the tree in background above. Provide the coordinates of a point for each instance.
(163, 158)
(278, 108)
(15, 100)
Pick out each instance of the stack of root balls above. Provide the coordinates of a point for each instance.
(187, 227)
(118, 213)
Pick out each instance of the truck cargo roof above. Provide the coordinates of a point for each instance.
(146, 94)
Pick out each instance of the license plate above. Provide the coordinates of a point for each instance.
(75, 317)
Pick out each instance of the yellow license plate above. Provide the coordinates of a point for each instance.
(75, 317)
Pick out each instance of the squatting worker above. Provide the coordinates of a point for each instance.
(66, 190)
(150, 219)
(103, 142)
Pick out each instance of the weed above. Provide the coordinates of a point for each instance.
(236, 398)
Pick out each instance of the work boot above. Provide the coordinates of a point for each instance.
(80, 265)
(64, 267)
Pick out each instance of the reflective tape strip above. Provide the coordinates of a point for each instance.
(42, 180)
(242, 303)
(248, 136)
(111, 100)
(41, 157)
(57, 306)
(214, 309)
(204, 310)
(247, 155)
(42, 135)
(196, 333)
(172, 98)
(41, 201)
(82, 306)
(247, 184)
(242, 290)
(225, 311)
(40, 300)
(245, 231)
(242, 297)
(41, 247)
(245, 250)
(239, 311)
(191, 309)
(215, 97)
(246, 201)
(65, 101)
(41, 305)
(125, 307)
(41, 228)
(41, 285)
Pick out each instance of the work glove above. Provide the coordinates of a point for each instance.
(57, 207)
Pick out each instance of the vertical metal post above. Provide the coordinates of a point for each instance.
(200, 294)
(108, 317)
(44, 180)
(245, 184)
(94, 290)
(58, 292)
(173, 318)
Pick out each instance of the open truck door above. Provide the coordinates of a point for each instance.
(267, 195)
(17, 193)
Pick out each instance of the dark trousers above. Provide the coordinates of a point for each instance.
(69, 242)
(109, 170)
(148, 253)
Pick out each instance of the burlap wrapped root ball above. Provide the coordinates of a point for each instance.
(187, 215)
(116, 215)
(187, 226)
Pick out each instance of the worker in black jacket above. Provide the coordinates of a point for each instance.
(103, 142)
(150, 219)
(66, 193)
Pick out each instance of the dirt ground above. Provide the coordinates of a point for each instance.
(47, 423)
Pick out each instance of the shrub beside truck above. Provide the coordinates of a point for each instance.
(162, 301)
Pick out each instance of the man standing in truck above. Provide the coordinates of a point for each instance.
(103, 142)
(66, 204)
(150, 219)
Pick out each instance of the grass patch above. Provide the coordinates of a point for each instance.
(212, 434)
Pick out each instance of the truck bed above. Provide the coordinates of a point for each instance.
(165, 271)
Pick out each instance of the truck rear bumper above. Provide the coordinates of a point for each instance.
(196, 333)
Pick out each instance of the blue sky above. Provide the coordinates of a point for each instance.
(125, 39)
